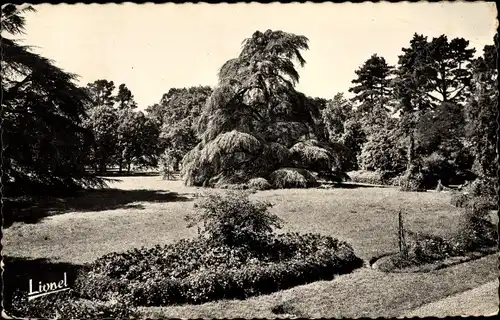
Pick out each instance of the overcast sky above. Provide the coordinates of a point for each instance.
(152, 48)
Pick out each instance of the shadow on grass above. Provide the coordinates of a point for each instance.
(19, 271)
(32, 210)
(351, 185)
(131, 174)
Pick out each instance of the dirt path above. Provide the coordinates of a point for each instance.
(481, 301)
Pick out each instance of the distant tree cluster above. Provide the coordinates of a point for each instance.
(431, 117)
(177, 116)
(123, 136)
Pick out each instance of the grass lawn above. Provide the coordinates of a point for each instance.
(145, 211)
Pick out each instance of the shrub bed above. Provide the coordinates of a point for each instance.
(292, 178)
(67, 305)
(259, 184)
(476, 236)
(196, 271)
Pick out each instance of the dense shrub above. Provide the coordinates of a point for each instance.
(259, 184)
(485, 187)
(292, 178)
(466, 200)
(476, 231)
(67, 305)
(424, 247)
(460, 200)
(231, 219)
(194, 271)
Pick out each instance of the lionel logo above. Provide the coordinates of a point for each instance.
(47, 288)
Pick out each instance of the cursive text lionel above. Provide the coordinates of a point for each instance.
(47, 288)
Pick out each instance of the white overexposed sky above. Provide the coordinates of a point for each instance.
(152, 48)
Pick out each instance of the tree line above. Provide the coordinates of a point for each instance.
(431, 117)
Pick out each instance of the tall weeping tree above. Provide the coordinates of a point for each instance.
(44, 144)
(254, 119)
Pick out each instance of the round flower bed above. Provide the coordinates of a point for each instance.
(193, 271)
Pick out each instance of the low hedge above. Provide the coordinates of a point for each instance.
(192, 271)
(369, 177)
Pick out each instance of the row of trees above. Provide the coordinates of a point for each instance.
(433, 114)
(427, 116)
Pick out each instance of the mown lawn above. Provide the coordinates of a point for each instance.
(145, 211)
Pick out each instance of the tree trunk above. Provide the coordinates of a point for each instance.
(410, 155)
(102, 167)
(120, 165)
(128, 166)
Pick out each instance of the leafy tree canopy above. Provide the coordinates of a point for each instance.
(44, 143)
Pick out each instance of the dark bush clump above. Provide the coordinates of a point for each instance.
(482, 187)
(476, 231)
(231, 219)
(67, 305)
(424, 248)
(459, 200)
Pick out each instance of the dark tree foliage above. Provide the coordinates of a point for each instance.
(373, 91)
(103, 122)
(481, 114)
(44, 144)
(125, 98)
(137, 140)
(101, 93)
(343, 125)
(177, 116)
(432, 81)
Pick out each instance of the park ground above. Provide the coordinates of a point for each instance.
(146, 210)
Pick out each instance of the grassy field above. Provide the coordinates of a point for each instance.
(145, 211)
